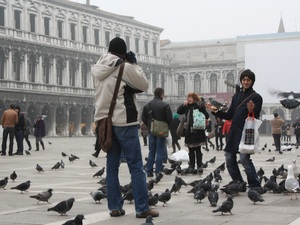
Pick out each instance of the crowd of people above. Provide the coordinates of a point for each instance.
(16, 125)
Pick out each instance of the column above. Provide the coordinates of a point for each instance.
(25, 74)
(78, 133)
(79, 77)
(53, 79)
(67, 74)
(9, 66)
(53, 132)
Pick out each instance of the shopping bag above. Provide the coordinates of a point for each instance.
(250, 137)
(199, 121)
(181, 155)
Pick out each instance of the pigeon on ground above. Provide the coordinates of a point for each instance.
(3, 182)
(165, 197)
(50, 143)
(148, 221)
(77, 221)
(222, 167)
(271, 159)
(99, 173)
(97, 196)
(226, 206)
(102, 181)
(62, 164)
(63, 207)
(128, 196)
(56, 166)
(27, 152)
(23, 186)
(13, 176)
(254, 196)
(72, 158)
(168, 171)
(64, 154)
(43, 196)
(212, 160)
(291, 183)
(176, 187)
(150, 185)
(92, 164)
(260, 172)
(199, 194)
(153, 200)
(213, 198)
(39, 168)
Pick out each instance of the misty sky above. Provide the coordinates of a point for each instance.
(208, 19)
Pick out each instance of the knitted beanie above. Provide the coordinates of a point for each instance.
(118, 46)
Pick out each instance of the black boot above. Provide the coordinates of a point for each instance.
(42, 144)
(174, 148)
(199, 159)
(192, 158)
(37, 146)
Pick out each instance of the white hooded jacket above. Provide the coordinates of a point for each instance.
(105, 73)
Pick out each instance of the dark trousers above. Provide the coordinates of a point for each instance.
(19, 139)
(219, 145)
(26, 137)
(276, 138)
(8, 131)
(193, 154)
(174, 144)
(145, 140)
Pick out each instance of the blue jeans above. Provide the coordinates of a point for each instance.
(157, 152)
(126, 139)
(234, 171)
(19, 139)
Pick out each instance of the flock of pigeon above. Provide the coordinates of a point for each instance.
(206, 186)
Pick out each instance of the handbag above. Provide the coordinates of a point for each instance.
(159, 128)
(199, 120)
(181, 128)
(105, 124)
(250, 137)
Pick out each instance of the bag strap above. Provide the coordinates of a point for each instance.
(113, 101)
(244, 101)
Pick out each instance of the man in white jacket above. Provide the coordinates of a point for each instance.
(125, 125)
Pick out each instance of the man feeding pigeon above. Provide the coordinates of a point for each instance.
(244, 102)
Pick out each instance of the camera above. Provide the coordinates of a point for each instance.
(130, 57)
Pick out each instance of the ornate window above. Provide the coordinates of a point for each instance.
(59, 71)
(60, 28)
(17, 66)
(32, 22)
(2, 16)
(96, 36)
(137, 45)
(73, 31)
(107, 38)
(127, 40)
(17, 15)
(72, 74)
(181, 86)
(146, 47)
(84, 34)
(31, 68)
(154, 49)
(213, 83)
(197, 84)
(230, 80)
(47, 25)
(163, 80)
(84, 74)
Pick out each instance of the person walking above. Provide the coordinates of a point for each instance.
(173, 131)
(277, 124)
(218, 132)
(159, 110)
(8, 121)
(243, 102)
(39, 132)
(209, 134)
(27, 131)
(125, 121)
(19, 131)
(193, 138)
(144, 133)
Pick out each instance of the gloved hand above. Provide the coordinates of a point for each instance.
(130, 57)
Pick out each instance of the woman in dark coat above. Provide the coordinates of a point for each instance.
(173, 131)
(193, 138)
(39, 132)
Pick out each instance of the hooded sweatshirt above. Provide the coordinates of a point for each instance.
(105, 73)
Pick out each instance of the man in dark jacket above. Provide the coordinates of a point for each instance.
(19, 131)
(159, 110)
(245, 102)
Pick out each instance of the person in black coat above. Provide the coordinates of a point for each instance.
(39, 132)
(245, 102)
(173, 131)
(19, 131)
(193, 138)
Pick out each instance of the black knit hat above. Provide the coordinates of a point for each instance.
(247, 73)
(117, 46)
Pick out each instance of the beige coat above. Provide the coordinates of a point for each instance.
(277, 123)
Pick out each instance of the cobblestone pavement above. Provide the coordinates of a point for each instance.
(76, 180)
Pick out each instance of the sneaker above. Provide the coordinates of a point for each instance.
(116, 213)
(149, 212)
(94, 154)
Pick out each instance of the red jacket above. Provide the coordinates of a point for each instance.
(226, 127)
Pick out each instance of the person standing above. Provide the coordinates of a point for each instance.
(193, 138)
(288, 133)
(296, 127)
(19, 131)
(39, 132)
(243, 102)
(218, 132)
(125, 121)
(8, 120)
(144, 133)
(209, 134)
(173, 131)
(27, 131)
(277, 124)
(159, 110)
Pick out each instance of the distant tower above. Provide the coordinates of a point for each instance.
(281, 26)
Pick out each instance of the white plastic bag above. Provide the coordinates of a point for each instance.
(250, 137)
(181, 155)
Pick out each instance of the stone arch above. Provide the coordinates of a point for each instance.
(46, 112)
(279, 111)
(60, 121)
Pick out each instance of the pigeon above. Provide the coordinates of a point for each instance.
(212, 160)
(63, 207)
(39, 168)
(3, 182)
(64, 154)
(128, 196)
(153, 200)
(271, 159)
(102, 181)
(148, 221)
(50, 143)
(97, 196)
(260, 172)
(213, 198)
(222, 167)
(99, 173)
(150, 184)
(290, 101)
(72, 158)
(164, 197)
(199, 194)
(295, 169)
(27, 152)
(168, 171)
(77, 221)
(291, 183)
(56, 166)
(23, 186)
(254, 196)
(92, 164)
(43, 196)
(62, 164)
(13, 176)
(176, 187)
(225, 207)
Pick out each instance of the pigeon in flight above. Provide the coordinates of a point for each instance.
(290, 99)
(291, 183)
(77, 221)
(63, 207)
(39, 168)
(23, 186)
(43, 196)
(13, 176)
(225, 207)
(3, 182)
